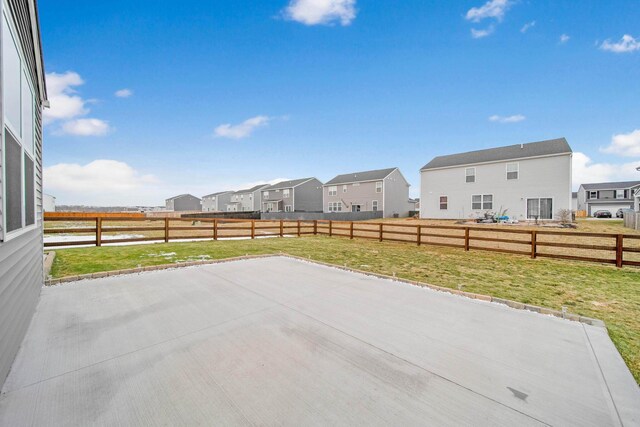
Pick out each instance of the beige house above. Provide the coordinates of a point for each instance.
(384, 190)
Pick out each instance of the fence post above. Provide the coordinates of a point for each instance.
(298, 228)
(619, 249)
(380, 238)
(98, 231)
(351, 230)
(315, 227)
(215, 229)
(466, 238)
(330, 228)
(534, 244)
(166, 230)
(281, 228)
(419, 234)
(253, 229)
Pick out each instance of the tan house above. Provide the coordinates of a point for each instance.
(384, 190)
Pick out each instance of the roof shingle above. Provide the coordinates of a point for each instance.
(361, 176)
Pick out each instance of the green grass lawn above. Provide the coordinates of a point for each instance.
(593, 290)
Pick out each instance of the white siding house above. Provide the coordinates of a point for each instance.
(528, 181)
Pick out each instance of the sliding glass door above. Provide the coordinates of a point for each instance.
(540, 208)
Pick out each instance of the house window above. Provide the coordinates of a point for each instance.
(444, 203)
(344, 188)
(265, 194)
(335, 207)
(333, 190)
(288, 208)
(356, 184)
(540, 208)
(482, 201)
(285, 193)
(619, 194)
(470, 174)
(374, 206)
(18, 138)
(593, 194)
(355, 208)
(512, 170)
(379, 187)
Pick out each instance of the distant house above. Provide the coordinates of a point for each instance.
(609, 196)
(297, 195)
(529, 181)
(383, 190)
(216, 202)
(414, 204)
(48, 203)
(183, 202)
(246, 200)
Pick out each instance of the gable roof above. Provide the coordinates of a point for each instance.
(510, 152)
(361, 176)
(610, 185)
(252, 189)
(216, 194)
(182, 195)
(287, 184)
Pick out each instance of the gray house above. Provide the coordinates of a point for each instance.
(298, 195)
(183, 202)
(216, 202)
(383, 190)
(529, 181)
(23, 97)
(609, 196)
(247, 200)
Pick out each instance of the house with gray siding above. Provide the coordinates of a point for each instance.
(183, 202)
(216, 202)
(382, 190)
(608, 196)
(247, 200)
(297, 195)
(529, 181)
(23, 90)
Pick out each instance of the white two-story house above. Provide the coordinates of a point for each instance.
(383, 190)
(526, 181)
(246, 200)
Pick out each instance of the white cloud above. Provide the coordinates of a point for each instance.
(100, 182)
(314, 12)
(65, 104)
(507, 119)
(492, 9)
(626, 44)
(526, 27)
(625, 144)
(243, 129)
(478, 34)
(123, 93)
(564, 38)
(84, 127)
(586, 171)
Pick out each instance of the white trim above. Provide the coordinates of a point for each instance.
(475, 171)
(496, 161)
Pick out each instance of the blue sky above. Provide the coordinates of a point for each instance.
(155, 98)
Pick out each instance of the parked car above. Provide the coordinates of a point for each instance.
(602, 214)
(622, 211)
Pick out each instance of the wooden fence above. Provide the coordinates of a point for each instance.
(632, 220)
(618, 249)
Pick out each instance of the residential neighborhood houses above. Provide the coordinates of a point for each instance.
(528, 181)
(521, 182)
(608, 196)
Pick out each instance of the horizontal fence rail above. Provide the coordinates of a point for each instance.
(617, 249)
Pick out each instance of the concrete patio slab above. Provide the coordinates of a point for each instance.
(283, 341)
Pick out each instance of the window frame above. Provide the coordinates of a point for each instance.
(539, 199)
(466, 175)
(18, 135)
(445, 203)
(374, 205)
(379, 185)
(517, 171)
(619, 192)
(344, 188)
(288, 208)
(592, 193)
(333, 190)
(334, 206)
(482, 202)
(286, 193)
